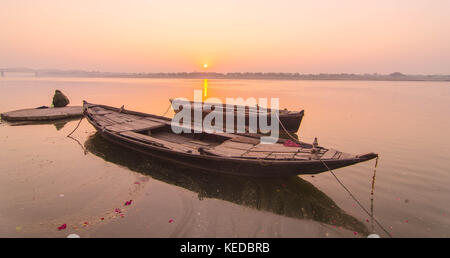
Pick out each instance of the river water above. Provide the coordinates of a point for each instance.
(47, 179)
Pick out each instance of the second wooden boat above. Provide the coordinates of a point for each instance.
(290, 120)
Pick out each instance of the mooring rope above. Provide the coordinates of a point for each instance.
(284, 128)
(342, 184)
(69, 136)
(356, 200)
(372, 192)
(75, 127)
(79, 143)
(167, 110)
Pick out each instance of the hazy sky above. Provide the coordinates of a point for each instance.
(334, 36)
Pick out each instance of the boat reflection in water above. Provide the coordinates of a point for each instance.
(291, 197)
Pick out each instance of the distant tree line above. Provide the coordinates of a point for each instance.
(396, 76)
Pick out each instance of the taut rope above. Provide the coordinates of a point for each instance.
(356, 200)
(342, 184)
(167, 110)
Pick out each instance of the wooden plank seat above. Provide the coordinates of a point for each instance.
(256, 155)
(229, 148)
(225, 152)
(136, 125)
(236, 145)
(329, 154)
(255, 150)
(281, 155)
(276, 147)
(242, 139)
(304, 156)
(158, 142)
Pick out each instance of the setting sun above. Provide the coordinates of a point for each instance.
(205, 66)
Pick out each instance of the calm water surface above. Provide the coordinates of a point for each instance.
(47, 179)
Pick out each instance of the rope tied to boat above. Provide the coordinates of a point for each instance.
(372, 192)
(167, 110)
(69, 136)
(79, 122)
(284, 128)
(342, 184)
(356, 200)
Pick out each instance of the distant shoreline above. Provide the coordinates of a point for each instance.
(6, 72)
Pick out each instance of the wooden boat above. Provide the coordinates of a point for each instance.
(291, 120)
(214, 152)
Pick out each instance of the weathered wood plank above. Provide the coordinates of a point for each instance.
(305, 150)
(103, 121)
(130, 117)
(194, 145)
(43, 114)
(118, 128)
(243, 139)
(225, 151)
(337, 155)
(158, 142)
(138, 125)
(277, 147)
(199, 143)
(347, 156)
(329, 154)
(183, 140)
(304, 156)
(99, 109)
(237, 145)
(257, 155)
(282, 155)
(122, 117)
(170, 137)
(102, 112)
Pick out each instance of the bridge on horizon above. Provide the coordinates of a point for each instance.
(4, 72)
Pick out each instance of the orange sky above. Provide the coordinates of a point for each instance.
(282, 36)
